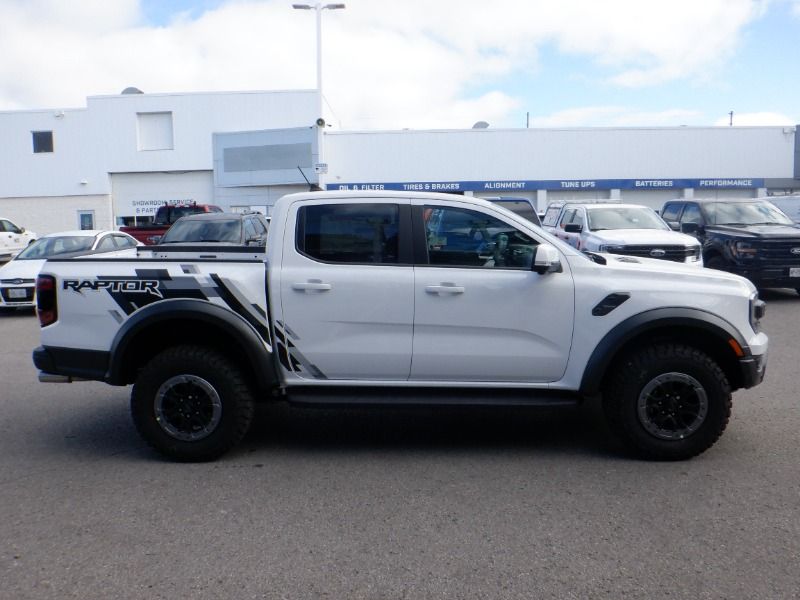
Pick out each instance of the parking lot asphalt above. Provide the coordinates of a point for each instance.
(413, 503)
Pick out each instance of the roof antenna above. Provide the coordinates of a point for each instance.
(312, 187)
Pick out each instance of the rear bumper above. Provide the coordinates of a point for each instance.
(70, 362)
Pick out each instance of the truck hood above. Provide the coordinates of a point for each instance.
(627, 266)
(638, 237)
(758, 231)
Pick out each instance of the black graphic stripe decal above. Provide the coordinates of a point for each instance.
(229, 296)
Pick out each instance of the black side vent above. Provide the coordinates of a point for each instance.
(609, 303)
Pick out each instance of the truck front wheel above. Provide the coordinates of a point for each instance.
(191, 403)
(667, 401)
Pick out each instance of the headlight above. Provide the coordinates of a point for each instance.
(610, 248)
(744, 250)
(758, 309)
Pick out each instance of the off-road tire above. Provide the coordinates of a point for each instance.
(191, 404)
(646, 387)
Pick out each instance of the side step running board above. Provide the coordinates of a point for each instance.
(430, 396)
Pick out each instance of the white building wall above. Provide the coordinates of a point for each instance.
(90, 143)
(101, 142)
(539, 154)
(50, 214)
(74, 168)
(195, 118)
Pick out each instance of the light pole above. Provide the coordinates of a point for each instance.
(319, 7)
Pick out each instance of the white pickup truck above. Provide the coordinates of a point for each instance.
(403, 298)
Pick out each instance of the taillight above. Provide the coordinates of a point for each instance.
(46, 305)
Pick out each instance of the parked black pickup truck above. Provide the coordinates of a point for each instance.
(750, 237)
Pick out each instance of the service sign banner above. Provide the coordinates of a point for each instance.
(553, 184)
(148, 208)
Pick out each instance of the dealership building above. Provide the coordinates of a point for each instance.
(119, 158)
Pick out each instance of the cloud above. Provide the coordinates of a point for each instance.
(756, 118)
(416, 63)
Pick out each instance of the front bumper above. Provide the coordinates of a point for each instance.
(770, 277)
(753, 370)
(17, 296)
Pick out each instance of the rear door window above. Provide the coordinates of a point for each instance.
(350, 233)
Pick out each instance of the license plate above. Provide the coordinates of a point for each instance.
(794, 272)
(23, 293)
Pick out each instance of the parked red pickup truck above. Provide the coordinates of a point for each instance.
(165, 216)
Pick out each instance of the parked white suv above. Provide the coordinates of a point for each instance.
(621, 229)
(13, 239)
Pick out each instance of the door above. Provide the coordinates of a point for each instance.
(12, 239)
(571, 216)
(692, 214)
(481, 313)
(347, 291)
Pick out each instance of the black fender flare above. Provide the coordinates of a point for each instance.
(606, 350)
(260, 359)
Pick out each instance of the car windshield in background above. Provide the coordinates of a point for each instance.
(53, 246)
(217, 230)
(521, 207)
(744, 213)
(624, 217)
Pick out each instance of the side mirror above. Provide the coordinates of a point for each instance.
(691, 228)
(21, 230)
(546, 259)
(573, 228)
(154, 239)
(674, 225)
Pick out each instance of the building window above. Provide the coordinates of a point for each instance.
(42, 141)
(155, 131)
(85, 219)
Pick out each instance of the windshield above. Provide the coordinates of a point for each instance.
(744, 213)
(205, 230)
(624, 217)
(53, 246)
(521, 207)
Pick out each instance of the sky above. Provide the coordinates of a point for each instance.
(424, 64)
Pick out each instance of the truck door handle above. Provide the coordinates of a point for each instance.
(312, 285)
(445, 288)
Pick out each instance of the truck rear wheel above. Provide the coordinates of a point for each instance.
(667, 401)
(191, 404)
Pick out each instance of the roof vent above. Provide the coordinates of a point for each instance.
(132, 90)
(480, 125)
